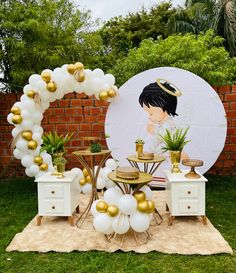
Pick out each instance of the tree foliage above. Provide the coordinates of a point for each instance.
(41, 34)
(203, 55)
(201, 15)
(120, 34)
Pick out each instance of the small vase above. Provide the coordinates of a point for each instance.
(175, 160)
(139, 148)
(60, 168)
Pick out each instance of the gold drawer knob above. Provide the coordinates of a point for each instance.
(53, 207)
(189, 207)
(52, 192)
(189, 192)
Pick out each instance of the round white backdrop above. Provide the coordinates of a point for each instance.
(199, 107)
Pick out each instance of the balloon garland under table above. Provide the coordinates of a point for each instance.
(121, 204)
(27, 114)
(93, 174)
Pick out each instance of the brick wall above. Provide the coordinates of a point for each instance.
(85, 116)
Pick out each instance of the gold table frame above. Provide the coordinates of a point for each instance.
(82, 158)
(130, 184)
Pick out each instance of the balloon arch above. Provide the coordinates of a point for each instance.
(27, 114)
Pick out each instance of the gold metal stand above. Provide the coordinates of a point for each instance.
(129, 186)
(84, 156)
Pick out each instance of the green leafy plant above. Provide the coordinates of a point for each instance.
(174, 141)
(139, 141)
(54, 143)
(95, 147)
(60, 160)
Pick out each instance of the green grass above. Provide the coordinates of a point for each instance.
(18, 204)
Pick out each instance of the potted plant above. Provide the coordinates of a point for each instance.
(95, 147)
(175, 142)
(60, 163)
(139, 145)
(54, 145)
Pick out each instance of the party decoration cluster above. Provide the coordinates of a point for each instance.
(118, 212)
(27, 114)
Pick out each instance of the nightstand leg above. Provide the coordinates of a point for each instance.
(167, 208)
(171, 218)
(204, 219)
(39, 220)
(71, 220)
(77, 209)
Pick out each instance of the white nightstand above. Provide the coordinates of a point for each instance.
(185, 197)
(58, 196)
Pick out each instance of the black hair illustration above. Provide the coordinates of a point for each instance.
(154, 95)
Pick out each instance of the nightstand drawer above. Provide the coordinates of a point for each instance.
(188, 206)
(188, 191)
(53, 191)
(53, 206)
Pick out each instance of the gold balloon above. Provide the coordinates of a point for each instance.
(80, 76)
(143, 206)
(43, 167)
(31, 94)
(38, 159)
(140, 196)
(88, 179)
(111, 93)
(103, 95)
(27, 135)
(112, 210)
(15, 110)
(151, 206)
(51, 87)
(32, 144)
(85, 172)
(79, 66)
(82, 181)
(46, 76)
(17, 119)
(101, 206)
(71, 68)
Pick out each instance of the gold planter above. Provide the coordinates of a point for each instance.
(175, 160)
(139, 148)
(61, 168)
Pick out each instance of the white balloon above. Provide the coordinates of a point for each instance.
(104, 172)
(97, 84)
(33, 79)
(106, 87)
(27, 161)
(37, 117)
(34, 152)
(101, 183)
(121, 224)
(27, 124)
(45, 105)
(110, 184)
(18, 154)
(40, 173)
(28, 172)
(36, 136)
(34, 169)
(139, 221)
(22, 145)
(88, 73)
(127, 204)
(37, 128)
(98, 73)
(109, 79)
(93, 207)
(47, 158)
(87, 188)
(47, 71)
(147, 191)
(9, 118)
(103, 223)
(18, 104)
(111, 164)
(24, 98)
(112, 196)
(16, 131)
(78, 171)
(29, 104)
(25, 114)
(41, 85)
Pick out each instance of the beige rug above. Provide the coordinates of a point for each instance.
(187, 235)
